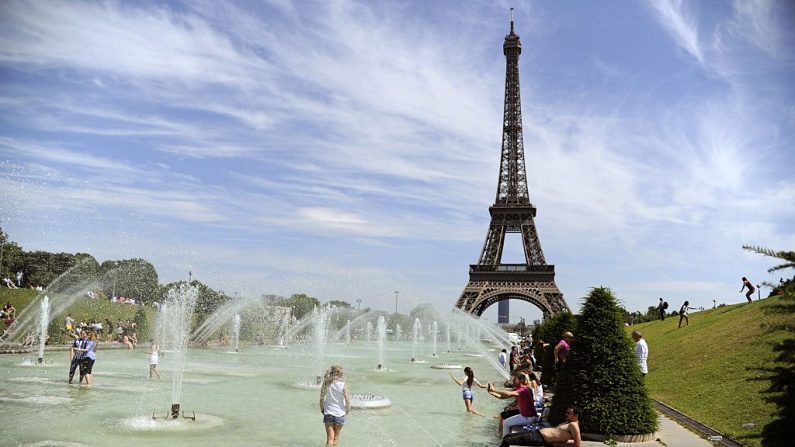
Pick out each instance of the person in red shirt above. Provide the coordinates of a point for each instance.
(525, 400)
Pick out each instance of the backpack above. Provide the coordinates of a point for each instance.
(665, 305)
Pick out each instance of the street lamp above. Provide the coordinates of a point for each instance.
(396, 300)
(359, 303)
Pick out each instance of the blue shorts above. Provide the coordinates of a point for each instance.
(468, 394)
(331, 419)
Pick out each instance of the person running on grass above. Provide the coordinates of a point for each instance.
(751, 289)
(466, 387)
(683, 313)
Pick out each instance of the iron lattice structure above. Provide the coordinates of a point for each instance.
(491, 281)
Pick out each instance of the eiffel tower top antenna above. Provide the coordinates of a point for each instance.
(511, 19)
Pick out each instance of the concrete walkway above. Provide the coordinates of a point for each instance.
(669, 434)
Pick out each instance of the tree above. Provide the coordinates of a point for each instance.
(86, 268)
(340, 304)
(403, 320)
(13, 259)
(550, 332)
(131, 278)
(788, 256)
(423, 311)
(301, 304)
(781, 374)
(3, 240)
(601, 375)
(142, 324)
(42, 268)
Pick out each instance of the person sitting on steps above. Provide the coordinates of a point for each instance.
(563, 433)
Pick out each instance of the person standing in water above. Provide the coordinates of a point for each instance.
(154, 358)
(751, 289)
(334, 403)
(466, 387)
(89, 351)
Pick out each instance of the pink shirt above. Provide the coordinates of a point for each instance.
(565, 348)
(525, 402)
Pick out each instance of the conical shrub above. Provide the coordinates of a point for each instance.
(551, 331)
(601, 375)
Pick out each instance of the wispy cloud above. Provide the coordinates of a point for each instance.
(759, 22)
(278, 135)
(678, 20)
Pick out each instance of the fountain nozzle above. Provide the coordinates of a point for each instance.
(40, 360)
(174, 411)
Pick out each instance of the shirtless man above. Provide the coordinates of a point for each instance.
(562, 434)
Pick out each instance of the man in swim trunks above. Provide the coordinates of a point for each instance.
(569, 430)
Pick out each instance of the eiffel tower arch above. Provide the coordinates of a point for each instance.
(491, 281)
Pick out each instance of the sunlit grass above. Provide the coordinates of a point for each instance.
(82, 309)
(709, 369)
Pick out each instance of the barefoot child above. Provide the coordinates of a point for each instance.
(154, 358)
(466, 387)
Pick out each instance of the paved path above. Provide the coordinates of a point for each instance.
(669, 434)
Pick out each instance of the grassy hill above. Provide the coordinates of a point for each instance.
(83, 308)
(709, 370)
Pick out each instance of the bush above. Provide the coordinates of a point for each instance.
(601, 375)
(550, 332)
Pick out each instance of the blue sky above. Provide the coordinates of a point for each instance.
(350, 149)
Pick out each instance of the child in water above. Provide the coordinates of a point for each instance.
(466, 388)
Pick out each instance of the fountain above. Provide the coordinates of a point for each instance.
(230, 390)
(434, 332)
(43, 323)
(348, 332)
(282, 328)
(180, 301)
(320, 325)
(237, 332)
(417, 334)
(369, 331)
(381, 333)
(447, 327)
(398, 332)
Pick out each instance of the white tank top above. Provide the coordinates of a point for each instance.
(335, 400)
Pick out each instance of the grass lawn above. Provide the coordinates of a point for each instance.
(83, 308)
(709, 369)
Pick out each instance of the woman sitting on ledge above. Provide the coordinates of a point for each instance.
(562, 434)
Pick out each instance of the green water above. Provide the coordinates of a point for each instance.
(241, 399)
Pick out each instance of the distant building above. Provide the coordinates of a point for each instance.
(503, 312)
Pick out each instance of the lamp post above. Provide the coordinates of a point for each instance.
(396, 299)
(190, 275)
(359, 304)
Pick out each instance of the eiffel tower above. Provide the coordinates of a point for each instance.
(491, 281)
